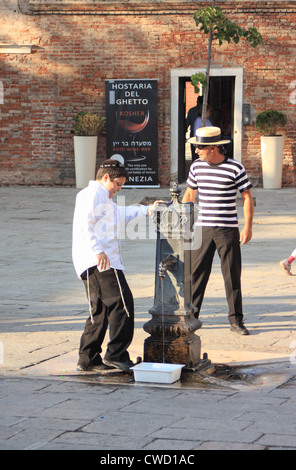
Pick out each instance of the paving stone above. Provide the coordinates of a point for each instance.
(229, 446)
(278, 440)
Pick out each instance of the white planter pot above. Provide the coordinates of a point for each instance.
(272, 149)
(85, 151)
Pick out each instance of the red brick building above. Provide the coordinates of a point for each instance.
(55, 56)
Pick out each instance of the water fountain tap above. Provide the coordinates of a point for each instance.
(169, 263)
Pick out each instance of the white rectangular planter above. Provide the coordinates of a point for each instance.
(85, 151)
(157, 372)
(272, 148)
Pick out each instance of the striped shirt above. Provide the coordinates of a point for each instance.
(217, 187)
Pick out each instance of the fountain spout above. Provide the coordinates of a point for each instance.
(169, 263)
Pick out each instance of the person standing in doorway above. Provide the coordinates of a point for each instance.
(217, 178)
(198, 120)
(192, 115)
(224, 121)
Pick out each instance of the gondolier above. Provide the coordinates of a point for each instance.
(217, 178)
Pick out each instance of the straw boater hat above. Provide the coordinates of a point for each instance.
(208, 136)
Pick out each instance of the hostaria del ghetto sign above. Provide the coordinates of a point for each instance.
(132, 128)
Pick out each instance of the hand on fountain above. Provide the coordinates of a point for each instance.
(152, 207)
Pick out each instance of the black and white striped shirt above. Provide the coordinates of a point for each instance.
(217, 187)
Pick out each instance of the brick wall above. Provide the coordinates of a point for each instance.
(77, 49)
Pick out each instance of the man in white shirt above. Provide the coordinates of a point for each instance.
(97, 261)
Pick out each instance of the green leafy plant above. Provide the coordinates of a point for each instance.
(212, 18)
(212, 21)
(198, 79)
(269, 122)
(88, 124)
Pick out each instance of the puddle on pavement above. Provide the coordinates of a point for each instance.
(259, 375)
(213, 376)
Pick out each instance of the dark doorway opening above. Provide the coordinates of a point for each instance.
(221, 100)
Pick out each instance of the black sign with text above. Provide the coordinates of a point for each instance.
(132, 128)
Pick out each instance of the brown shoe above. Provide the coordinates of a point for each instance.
(286, 266)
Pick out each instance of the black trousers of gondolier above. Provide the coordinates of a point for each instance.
(226, 241)
(112, 304)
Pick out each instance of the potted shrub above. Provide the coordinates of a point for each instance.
(87, 127)
(269, 123)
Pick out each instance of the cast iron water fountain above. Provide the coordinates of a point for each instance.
(172, 339)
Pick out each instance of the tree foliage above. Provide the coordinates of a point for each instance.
(198, 79)
(212, 18)
(212, 21)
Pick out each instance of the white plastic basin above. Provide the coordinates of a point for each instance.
(157, 372)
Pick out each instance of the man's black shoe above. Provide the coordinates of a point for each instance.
(93, 368)
(119, 365)
(239, 329)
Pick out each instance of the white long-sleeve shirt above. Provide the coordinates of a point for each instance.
(96, 227)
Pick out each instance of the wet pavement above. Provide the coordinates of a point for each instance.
(248, 402)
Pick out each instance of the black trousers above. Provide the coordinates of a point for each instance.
(108, 308)
(226, 242)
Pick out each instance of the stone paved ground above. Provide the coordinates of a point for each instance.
(44, 404)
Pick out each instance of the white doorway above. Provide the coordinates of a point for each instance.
(178, 79)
